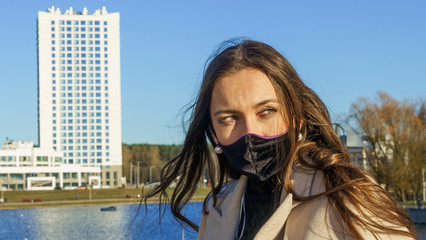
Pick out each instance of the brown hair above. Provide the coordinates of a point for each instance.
(357, 198)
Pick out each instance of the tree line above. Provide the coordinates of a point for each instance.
(139, 158)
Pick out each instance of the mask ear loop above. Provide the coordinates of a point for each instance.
(217, 149)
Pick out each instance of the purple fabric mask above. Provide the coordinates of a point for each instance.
(254, 156)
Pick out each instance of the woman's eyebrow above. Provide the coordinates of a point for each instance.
(265, 102)
(224, 111)
(259, 104)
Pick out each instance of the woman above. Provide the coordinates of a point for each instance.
(272, 136)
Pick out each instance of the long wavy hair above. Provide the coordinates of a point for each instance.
(357, 197)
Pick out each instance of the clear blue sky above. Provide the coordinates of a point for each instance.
(341, 49)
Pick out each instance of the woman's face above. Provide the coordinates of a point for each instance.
(245, 102)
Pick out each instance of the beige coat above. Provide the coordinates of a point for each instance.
(292, 220)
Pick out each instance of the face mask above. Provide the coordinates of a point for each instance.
(254, 156)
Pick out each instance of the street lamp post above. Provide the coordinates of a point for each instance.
(424, 183)
(90, 191)
(150, 173)
(131, 174)
(337, 129)
(138, 179)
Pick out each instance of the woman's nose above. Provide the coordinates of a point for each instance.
(250, 126)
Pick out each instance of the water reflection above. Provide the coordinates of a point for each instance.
(90, 223)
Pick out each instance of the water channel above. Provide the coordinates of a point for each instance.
(88, 222)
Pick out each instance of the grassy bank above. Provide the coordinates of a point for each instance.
(98, 197)
(15, 199)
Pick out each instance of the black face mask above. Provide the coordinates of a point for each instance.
(255, 156)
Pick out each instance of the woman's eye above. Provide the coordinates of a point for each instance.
(227, 120)
(267, 112)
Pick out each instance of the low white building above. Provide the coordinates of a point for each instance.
(23, 166)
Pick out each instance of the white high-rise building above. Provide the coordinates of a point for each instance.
(79, 100)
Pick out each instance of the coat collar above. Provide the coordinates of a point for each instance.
(230, 214)
(305, 182)
(227, 210)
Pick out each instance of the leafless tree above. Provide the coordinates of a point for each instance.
(396, 134)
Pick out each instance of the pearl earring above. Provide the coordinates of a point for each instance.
(300, 137)
(218, 150)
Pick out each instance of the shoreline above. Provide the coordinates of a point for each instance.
(87, 197)
(71, 203)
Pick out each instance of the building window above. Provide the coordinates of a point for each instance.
(42, 158)
(17, 176)
(25, 158)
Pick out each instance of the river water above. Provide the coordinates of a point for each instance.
(88, 222)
